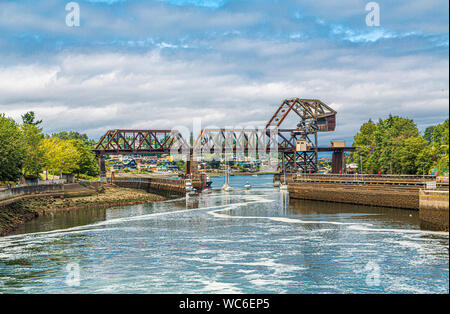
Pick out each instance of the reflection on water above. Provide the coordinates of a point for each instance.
(63, 220)
(253, 241)
(393, 216)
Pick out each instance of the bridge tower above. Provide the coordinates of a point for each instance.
(299, 145)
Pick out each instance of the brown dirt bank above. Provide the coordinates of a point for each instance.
(13, 215)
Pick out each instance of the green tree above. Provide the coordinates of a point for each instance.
(30, 118)
(72, 136)
(438, 139)
(412, 157)
(88, 162)
(62, 155)
(12, 151)
(34, 155)
(364, 140)
(437, 134)
(396, 144)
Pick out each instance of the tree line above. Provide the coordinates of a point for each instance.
(25, 151)
(395, 145)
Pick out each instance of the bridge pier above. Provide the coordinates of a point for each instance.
(198, 179)
(102, 166)
(191, 165)
(338, 164)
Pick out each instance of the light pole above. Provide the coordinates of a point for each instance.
(423, 168)
(362, 170)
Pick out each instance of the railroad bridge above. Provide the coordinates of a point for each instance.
(296, 144)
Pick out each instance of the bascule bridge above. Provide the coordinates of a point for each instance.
(296, 144)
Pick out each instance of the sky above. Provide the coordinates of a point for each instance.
(136, 64)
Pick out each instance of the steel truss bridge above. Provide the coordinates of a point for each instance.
(313, 116)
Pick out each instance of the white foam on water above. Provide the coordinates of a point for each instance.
(270, 282)
(362, 228)
(212, 285)
(399, 284)
(350, 225)
(245, 271)
(410, 244)
(91, 227)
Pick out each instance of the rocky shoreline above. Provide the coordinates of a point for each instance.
(13, 215)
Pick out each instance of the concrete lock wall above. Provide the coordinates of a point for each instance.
(384, 196)
(154, 185)
(9, 196)
(433, 209)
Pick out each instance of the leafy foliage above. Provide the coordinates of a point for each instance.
(72, 136)
(12, 151)
(24, 150)
(34, 155)
(88, 163)
(30, 118)
(395, 145)
(60, 154)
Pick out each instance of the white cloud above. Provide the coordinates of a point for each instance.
(143, 64)
(99, 91)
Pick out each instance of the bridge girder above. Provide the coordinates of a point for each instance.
(314, 116)
(141, 142)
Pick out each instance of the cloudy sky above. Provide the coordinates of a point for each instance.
(159, 64)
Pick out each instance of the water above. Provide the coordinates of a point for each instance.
(253, 241)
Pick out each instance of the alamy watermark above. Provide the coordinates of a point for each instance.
(73, 274)
(373, 277)
(373, 17)
(73, 17)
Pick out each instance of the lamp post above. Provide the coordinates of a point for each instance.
(362, 170)
(423, 168)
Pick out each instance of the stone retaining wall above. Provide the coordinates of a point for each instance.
(9, 196)
(384, 196)
(160, 186)
(433, 212)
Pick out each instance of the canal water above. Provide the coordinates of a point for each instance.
(254, 241)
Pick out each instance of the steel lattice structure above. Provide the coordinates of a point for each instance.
(235, 141)
(313, 114)
(141, 142)
(313, 117)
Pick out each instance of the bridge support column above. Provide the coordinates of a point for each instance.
(192, 165)
(198, 179)
(102, 166)
(338, 162)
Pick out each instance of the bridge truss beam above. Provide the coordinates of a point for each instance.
(141, 142)
(313, 117)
